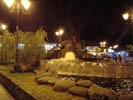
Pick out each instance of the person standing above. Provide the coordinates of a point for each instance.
(119, 58)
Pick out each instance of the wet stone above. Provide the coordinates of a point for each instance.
(62, 85)
(80, 91)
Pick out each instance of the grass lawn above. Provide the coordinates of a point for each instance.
(40, 92)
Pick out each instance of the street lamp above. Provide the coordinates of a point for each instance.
(128, 16)
(103, 44)
(125, 16)
(18, 5)
(9, 3)
(26, 4)
(3, 27)
(59, 33)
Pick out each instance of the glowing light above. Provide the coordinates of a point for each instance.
(9, 3)
(103, 44)
(125, 16)
(110, 47)
(26, 4)
(3, 26)
(61, 31)
(57, 33)
(115, 46)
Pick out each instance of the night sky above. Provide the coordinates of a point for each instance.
(93, 20)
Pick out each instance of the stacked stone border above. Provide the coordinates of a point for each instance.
(17, 92)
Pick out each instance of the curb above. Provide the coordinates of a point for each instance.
(17, 92)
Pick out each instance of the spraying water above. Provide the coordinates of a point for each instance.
(69, 56)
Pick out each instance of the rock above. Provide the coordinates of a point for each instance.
(62, 85)
(84, 83)
(80, 91)
(78, 50)
(43, 80)
(45, 74)
(66, 42)
(66, 46)
(65, 50)
(79, 98)
(53, 53)
(99, 93)
(47, 80)
(52, 80)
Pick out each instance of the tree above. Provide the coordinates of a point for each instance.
(7, 48)
(32, 49)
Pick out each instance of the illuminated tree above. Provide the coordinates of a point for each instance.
(33, 49)
(7, 48)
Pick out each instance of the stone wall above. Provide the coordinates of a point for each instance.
(97, 69)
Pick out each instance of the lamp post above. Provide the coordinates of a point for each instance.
(125, 16)
(103, 45)
(128, 16)
(18, 5)
(59, 34)
(3, 27)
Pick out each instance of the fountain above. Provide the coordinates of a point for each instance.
(106, 74)
(68, 63)
(69, 56)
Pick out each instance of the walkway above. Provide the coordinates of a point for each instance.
(4, 95)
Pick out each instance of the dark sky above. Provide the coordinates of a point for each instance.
(94, 20)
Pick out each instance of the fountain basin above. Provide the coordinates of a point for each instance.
(85, 68)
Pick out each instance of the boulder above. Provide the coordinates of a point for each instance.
(52, 80)
(66, 42)
(84, 83)
(45, 74)
(65, 50)
(78, 50)
(65, 46)
(99, 93)
(80, 91)
(53, 53)
(62, 85)
(43, 80)
(47, 80)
